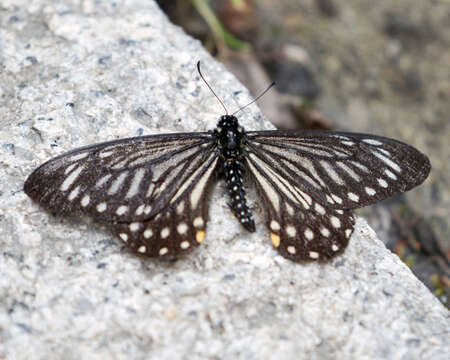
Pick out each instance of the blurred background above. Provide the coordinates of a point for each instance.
(381, 67)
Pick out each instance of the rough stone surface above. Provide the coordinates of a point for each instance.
(78, 73)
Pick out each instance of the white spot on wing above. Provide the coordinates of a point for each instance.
(134, 226)
(180, 207)
(70, 168)
(324, 231)
(336, 198)
(101, 207)
(165, 233)
(147, 209)
(291, 231)
(78, 157)
(289, 209)
(390, 174)
(67, 183)
(150, 189)
(370, 191)
(309, 234)
(123, 236)
(122, 209)
(360, 166)
(117, 183)
(353, 197)
(182, 228)
(163, 251)
(331, 172)
(184, 245)
(320, 209)
(382, 183)
(387, 161)
(142, 249)
(148, 233)
(85, 200)
(120, 163)
(74, 193)
(100, 182)
(372, 142)
(384, 151)
(313, 255)
(135, 183)
(198, 222)
(349, 171)
(291, 250)
(342, 137)
(305, 196)
(275, 225)
(335, 222)
(140, 210)
(104, 154)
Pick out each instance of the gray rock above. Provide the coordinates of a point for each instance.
(77, 74)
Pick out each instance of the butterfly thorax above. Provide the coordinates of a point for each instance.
(230, 137)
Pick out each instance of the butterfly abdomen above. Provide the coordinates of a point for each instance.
(229, 137)
(233, 175)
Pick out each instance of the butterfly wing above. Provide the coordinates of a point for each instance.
(342, 170)
(180, 226)
(311, 181)
(151, 183)
(124, 180)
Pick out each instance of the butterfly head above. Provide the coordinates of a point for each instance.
(229, 132)
(228, 122)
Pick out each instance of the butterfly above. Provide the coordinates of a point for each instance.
(152, 191)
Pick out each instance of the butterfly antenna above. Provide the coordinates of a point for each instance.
(259, 96)
(210, 88)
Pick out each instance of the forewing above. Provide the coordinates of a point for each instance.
(126, 180)
(341, 170)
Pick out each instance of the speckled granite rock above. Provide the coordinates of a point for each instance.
(75, 74)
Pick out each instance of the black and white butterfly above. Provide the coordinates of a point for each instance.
(153, 190)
